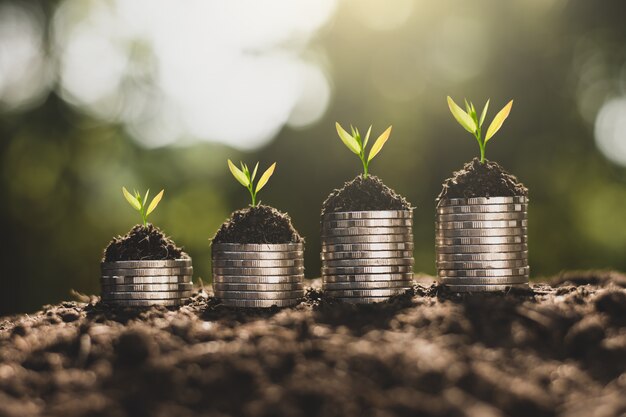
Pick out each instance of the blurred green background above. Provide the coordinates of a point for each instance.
(157, 94)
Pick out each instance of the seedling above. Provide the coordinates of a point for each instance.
(139, 204)
(357, 145)
(470, 121)
(246, 178)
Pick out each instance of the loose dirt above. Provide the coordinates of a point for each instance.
(363, 194)
(142, 243)
(259, 224)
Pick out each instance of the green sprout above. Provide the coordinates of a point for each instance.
(246, 179)
(139, 204)
(355, 144)
(470, 121)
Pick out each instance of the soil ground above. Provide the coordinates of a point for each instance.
(482, 180)
(142, 243)
(364, 194)
(258, 224)
(555, 350)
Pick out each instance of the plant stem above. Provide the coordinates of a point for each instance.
(253, 195)
(364, 166)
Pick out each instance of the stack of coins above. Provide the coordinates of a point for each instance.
(258, 275)
(481, 243)
(367, 256)
(146, 283)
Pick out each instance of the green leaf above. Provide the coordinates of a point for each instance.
(254, 172)
(496, 124)
(463, 118)
(145, 199)
(484, 113)
(380, 142)
(348, 140)
(155, 202)
(238, 174)
(367, 136)
(468, 108)
(265, 177)
(131, 200)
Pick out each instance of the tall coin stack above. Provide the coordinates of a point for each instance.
(367, 256)
(258, 275)
(146, 283)
(481, 243)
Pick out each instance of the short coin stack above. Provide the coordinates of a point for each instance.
(145, 283)
(258, 275)
(367, 256)
(481, 243)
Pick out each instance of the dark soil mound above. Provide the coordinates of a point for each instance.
(551, 352)
(259, 224)
(363, 194)
(142, 243)
(482, 180)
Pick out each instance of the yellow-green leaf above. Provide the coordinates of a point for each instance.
(155, 202)
(484, 114)
(256, 167)
(131, 200)
(463, 118)
(496, 124)
(380, 142)
(265, 177)
(238, 174)
(347, 139)
(367, 137)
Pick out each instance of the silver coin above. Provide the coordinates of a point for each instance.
(368, 262)
(481, 200)
(481, 248)
(265, 263)
(166, 263)
(520, 215)
(478, 273)
(497, 256)
(172, 279)
(361, 247)
(513, 263)
(339, 240)
(366, 270)
(144, 303)
(487, 224)
(382, 254)
(257, 247)
(259, 295)
(486, 240)
(451, 233)
(261, 255)
(484, 288)
(143, 272)
(405, 276)
(146, 295)
(250, 279)
(218, 286)
(332, 224)
(385, 292)
(362, 300)
(486, 208)
(294, 270)
(374, 214)
(517, 279)
(366, 231)
(260, 303)
(364, 285)
(185, 286)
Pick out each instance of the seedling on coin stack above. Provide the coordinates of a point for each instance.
(481, 228)
(367, 241)
(145, 267)
(258, 257)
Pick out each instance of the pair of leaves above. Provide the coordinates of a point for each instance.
(138, 204)
(354, 143)
(469, 119)
(246, 178)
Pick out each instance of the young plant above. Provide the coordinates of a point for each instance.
(139, 204)
(357, 145)
(246, 178)
(470, 121)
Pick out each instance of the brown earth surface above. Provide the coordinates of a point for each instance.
(555, 350)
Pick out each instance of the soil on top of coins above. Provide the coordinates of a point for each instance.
(142, 243)
(558, 349)
(478, 179)
(363, 194)
(258, 224)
